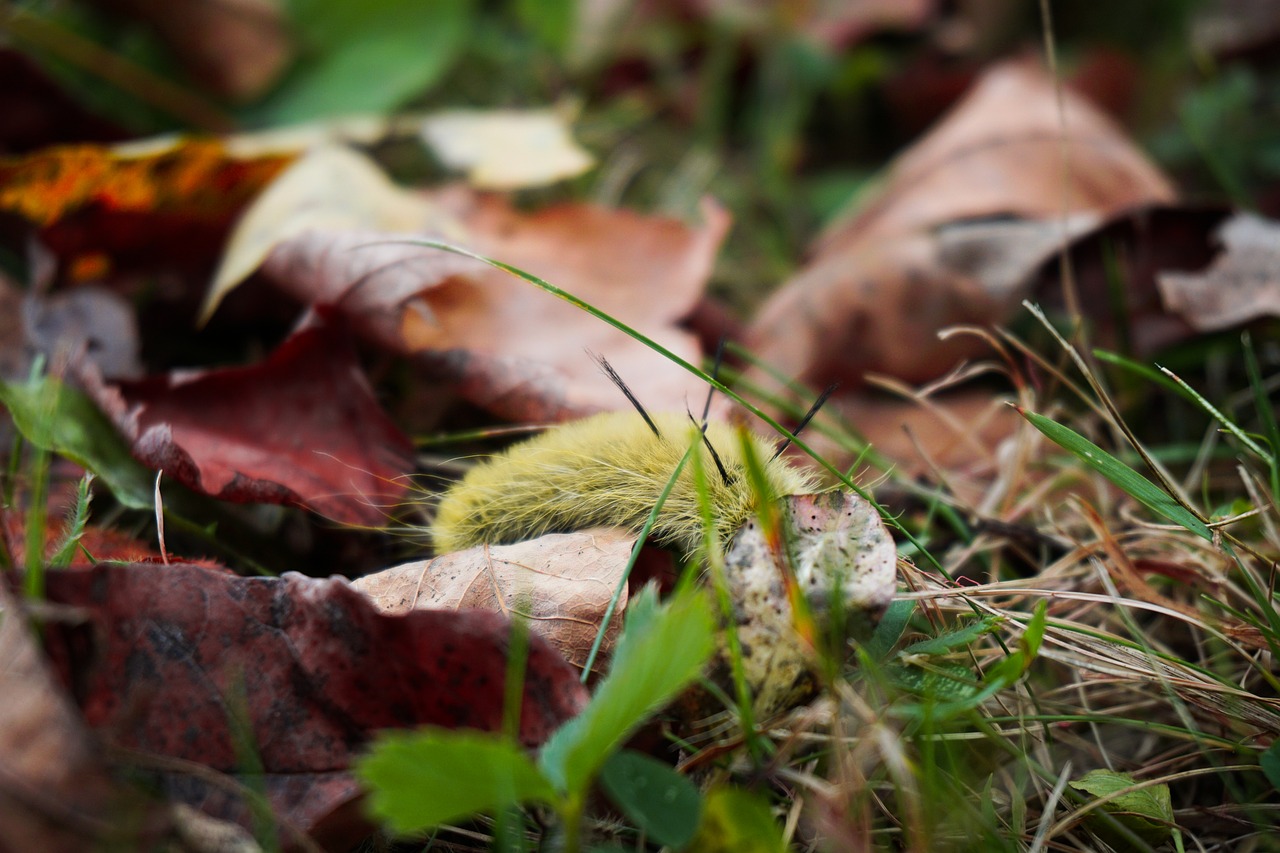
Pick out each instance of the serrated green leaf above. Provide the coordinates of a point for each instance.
(735, 821)
(60, 419)
(1147, 812)
(1125, 478)
(423, 779)
(657, 799)
(944, 643)
(662, 649)
(941, 681)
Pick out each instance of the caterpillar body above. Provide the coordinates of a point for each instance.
(608, 470)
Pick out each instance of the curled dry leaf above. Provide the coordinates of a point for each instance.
(886, 278)
(560, 583)
(56, 792)
(1242, 284)
(295, 673)
(302, 427)
(325, 232)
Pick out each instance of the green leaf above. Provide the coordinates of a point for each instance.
(1269, 760)
(552, 21)
(422, 779)
(662, 649)
(368, 57)
(75, 526)
(893, 624)
(1033, 637)
(1015, 665)
(955, 639)
(735, 821)
(60, 419)
(655, 797)
(939, 682)
(1128, 480)
(1148, 812)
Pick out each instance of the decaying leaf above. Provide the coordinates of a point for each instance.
(887, 277)
(1242, 284)
(506, 149)
(328, 231)
(136, 205)
(56, 791)
(290, 675)
(302, 427)
(560, 583)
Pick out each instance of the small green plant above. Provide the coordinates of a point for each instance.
(421, 780)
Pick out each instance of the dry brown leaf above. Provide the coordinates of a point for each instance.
(1006, 150)
(958, 232)
(1242, 284)
(56, 792)
(326, 230)
(561, 583)
(884, 280)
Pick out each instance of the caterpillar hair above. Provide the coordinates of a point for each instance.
(608, 470)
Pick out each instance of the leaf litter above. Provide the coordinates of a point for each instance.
(966, 224)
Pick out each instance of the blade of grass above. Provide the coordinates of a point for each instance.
(1125, 478)
(1228, 424)
(675, 359)
(1266, 413)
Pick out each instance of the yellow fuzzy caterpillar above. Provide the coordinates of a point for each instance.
(606, 470)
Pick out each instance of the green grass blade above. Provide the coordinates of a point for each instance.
(1227, 424)
(1125, 478)
(1266, 413)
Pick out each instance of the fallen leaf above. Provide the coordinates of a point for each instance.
(164, 200)
(560, 583)
(506, 149)
(57, 793)
(1136, 246)
(883, 280)
(292, 675)
(97, 544)
(328, 228)
(1242, 284)
(301, 427)
(1006, 150)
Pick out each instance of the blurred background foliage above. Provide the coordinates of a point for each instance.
(782, 111)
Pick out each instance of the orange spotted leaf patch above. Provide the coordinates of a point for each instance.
(173, 202)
